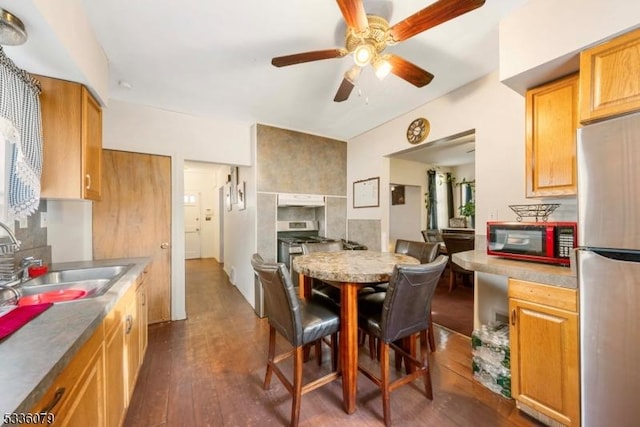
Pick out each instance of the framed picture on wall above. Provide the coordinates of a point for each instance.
(366, 193)
(234, 184)
(227, 196)
(241, 196)
(397, 194)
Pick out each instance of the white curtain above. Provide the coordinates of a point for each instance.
(20, 125)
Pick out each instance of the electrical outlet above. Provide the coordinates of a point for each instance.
(43, 220)
(23, 223)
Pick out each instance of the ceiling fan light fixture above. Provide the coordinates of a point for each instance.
(382, 67)
(363, 54)
(352, 74)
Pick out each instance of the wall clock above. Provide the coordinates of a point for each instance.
(418, 130)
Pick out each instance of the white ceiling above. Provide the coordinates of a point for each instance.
(213, 58)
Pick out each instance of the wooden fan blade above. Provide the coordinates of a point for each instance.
(344, 90)
(348, 82)
(432, 15)
(354, 14)
(409, 72)
(299, 58)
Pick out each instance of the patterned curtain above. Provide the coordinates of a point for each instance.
(432, 201)
(20, 124)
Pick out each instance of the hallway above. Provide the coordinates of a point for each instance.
(208, 371)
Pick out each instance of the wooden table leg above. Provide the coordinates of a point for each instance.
(349, 344)
(305, 285)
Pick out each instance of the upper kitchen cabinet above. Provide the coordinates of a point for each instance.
(551, 124)
(72, 140)
(609, 78)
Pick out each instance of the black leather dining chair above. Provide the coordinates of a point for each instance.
(425, 252)
(405, 312)
(300, 323)
(325, 293)
(458, 243)
(431, 235)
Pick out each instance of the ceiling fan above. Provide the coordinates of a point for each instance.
(367, 37)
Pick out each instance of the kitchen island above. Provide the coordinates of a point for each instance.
(34, 356)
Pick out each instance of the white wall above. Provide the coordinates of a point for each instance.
(405, 219)
(497, 115)
(541, 40)
(411, 173)
(142, 129)
(69, 23)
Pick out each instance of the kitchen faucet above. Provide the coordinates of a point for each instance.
(24, 267)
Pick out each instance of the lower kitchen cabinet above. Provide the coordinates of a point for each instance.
(545, 350)
(77, 397)
(96, 387)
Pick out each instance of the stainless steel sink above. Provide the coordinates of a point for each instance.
(95, 281)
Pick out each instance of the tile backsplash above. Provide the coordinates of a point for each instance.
(33, 238)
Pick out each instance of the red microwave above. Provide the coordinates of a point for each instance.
(548, 242)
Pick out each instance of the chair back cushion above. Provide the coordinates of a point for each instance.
(425, 252)
(407, 304)
(307, 248)
(281, 303)
(431, 235)
(458, 243)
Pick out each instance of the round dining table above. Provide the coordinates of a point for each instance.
(348, 271)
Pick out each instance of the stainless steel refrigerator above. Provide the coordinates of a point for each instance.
(608, 267)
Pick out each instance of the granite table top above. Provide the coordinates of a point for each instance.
(350, 266)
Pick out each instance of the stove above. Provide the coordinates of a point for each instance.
(291, 236)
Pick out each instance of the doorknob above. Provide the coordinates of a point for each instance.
(164, 245)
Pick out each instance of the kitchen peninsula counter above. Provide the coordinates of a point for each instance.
(37, 353)
(478, 260)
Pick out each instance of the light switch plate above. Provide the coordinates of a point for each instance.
(43, 220)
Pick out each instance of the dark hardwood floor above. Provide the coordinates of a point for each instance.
(208, 371)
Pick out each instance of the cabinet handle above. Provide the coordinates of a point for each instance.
(56, 399)
(513, 317)
(144, 299)
(129, 322)
(87, 179)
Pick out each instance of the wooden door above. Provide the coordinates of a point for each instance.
(134, 219)
(192, 241)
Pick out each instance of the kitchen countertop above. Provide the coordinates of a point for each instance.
(478, 260)
(36, 354)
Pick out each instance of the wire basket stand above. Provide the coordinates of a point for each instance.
(539, 212)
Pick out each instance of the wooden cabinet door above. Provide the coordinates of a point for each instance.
(77, 396)
(115, 376)
(72, 141)
(132, 345)
(141, 298)
(91, 146)
(544, 351)
(609, 82)
(551, 123)
(88, 405)
(134, 219)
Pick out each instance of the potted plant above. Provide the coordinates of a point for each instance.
(469, 210)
